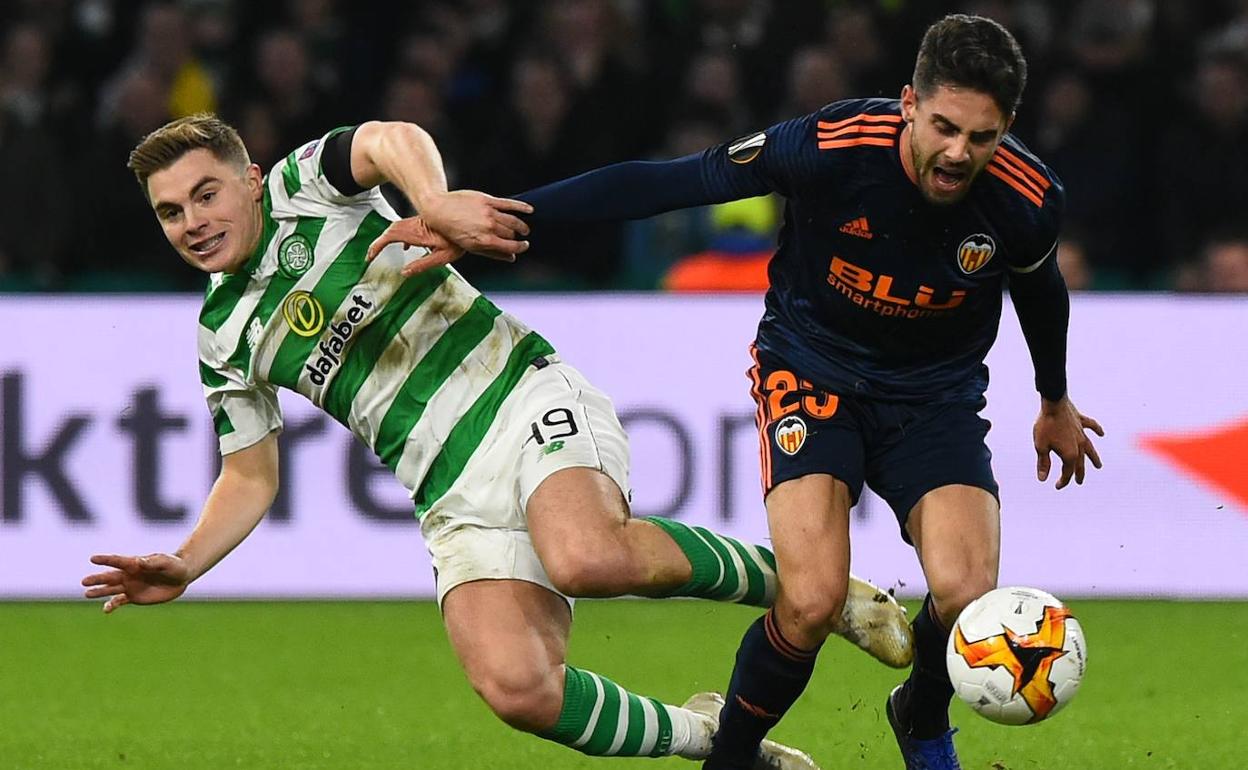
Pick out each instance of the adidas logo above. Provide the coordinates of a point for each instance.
(858, 227)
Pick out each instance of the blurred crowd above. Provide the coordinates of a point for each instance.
(1141, 106)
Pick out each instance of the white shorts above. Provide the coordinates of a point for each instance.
(553, 420)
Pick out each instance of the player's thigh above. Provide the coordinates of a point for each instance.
(956, 530)
(511, 637)
(917, 449)
(808, 519)
(812, 452)
(573, 468)
(576, 518)
(575, 507)
(804, 430)
(553, 420)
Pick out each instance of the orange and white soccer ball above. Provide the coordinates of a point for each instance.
(1016, 655)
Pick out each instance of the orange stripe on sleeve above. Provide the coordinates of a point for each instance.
(857, 129)
(864, 117)
(835, 144)
(1020, 173)
(1005, 155)
(1022, 189)
(1023, 180)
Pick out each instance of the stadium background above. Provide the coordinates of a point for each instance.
(1140, 105)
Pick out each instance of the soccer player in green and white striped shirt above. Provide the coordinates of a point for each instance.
(517, 467)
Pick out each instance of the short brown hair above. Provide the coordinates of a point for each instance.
(162, 148)
(972, 52)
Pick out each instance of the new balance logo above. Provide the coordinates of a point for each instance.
(858, 227)
(254, 331)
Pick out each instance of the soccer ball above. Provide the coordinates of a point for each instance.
(1016, 655)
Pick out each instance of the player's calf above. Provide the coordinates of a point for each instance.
(591, 714)
(721, 568)
(926, 694)
(600, 718)
(770, 673)
(869, 617)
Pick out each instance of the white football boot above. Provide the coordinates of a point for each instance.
(771, 755)
(873, 620)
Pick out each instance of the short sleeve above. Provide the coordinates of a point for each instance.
(242, 413)
(300, 187)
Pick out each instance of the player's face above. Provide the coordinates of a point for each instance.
(209, 210)
(953, 133)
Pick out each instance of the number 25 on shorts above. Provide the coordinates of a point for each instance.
(786, 395)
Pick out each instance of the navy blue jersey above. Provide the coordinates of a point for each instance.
(873, 289)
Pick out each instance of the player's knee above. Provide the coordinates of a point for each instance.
(573, 574)
(524, 698)
(952, 592)
(588, 572)
(812, 607)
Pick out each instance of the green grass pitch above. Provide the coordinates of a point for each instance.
(374, 684)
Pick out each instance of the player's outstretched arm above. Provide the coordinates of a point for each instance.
(405, 154)
(1043, 305)
(238, 500)
(638, 189)
(781, 159)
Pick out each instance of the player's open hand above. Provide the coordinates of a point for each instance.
(479, 223)
(414, 231)
(1061, 429)
(151, 579)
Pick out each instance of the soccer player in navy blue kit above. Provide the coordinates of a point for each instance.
(904, 221)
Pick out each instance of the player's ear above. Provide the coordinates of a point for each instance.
(909, 100)
(254, 179)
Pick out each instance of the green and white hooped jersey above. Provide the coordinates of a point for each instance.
(417, 368)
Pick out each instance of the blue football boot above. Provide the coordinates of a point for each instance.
(932, 754)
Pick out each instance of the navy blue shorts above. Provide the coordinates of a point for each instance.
(901, 451)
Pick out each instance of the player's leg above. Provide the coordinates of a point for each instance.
(809, 522)
(511, 639)
(812, 471)
(591, 546)
(485, 563)
(956, 531)
(937, 476)
(574, 478)
(574, 468)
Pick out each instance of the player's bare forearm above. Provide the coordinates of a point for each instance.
(405, 155)
(238, 501)
(243, 492)
(401, 153)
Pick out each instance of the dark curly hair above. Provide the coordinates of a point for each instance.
(972, 52)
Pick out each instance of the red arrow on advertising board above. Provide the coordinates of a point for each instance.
(1218, 457)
